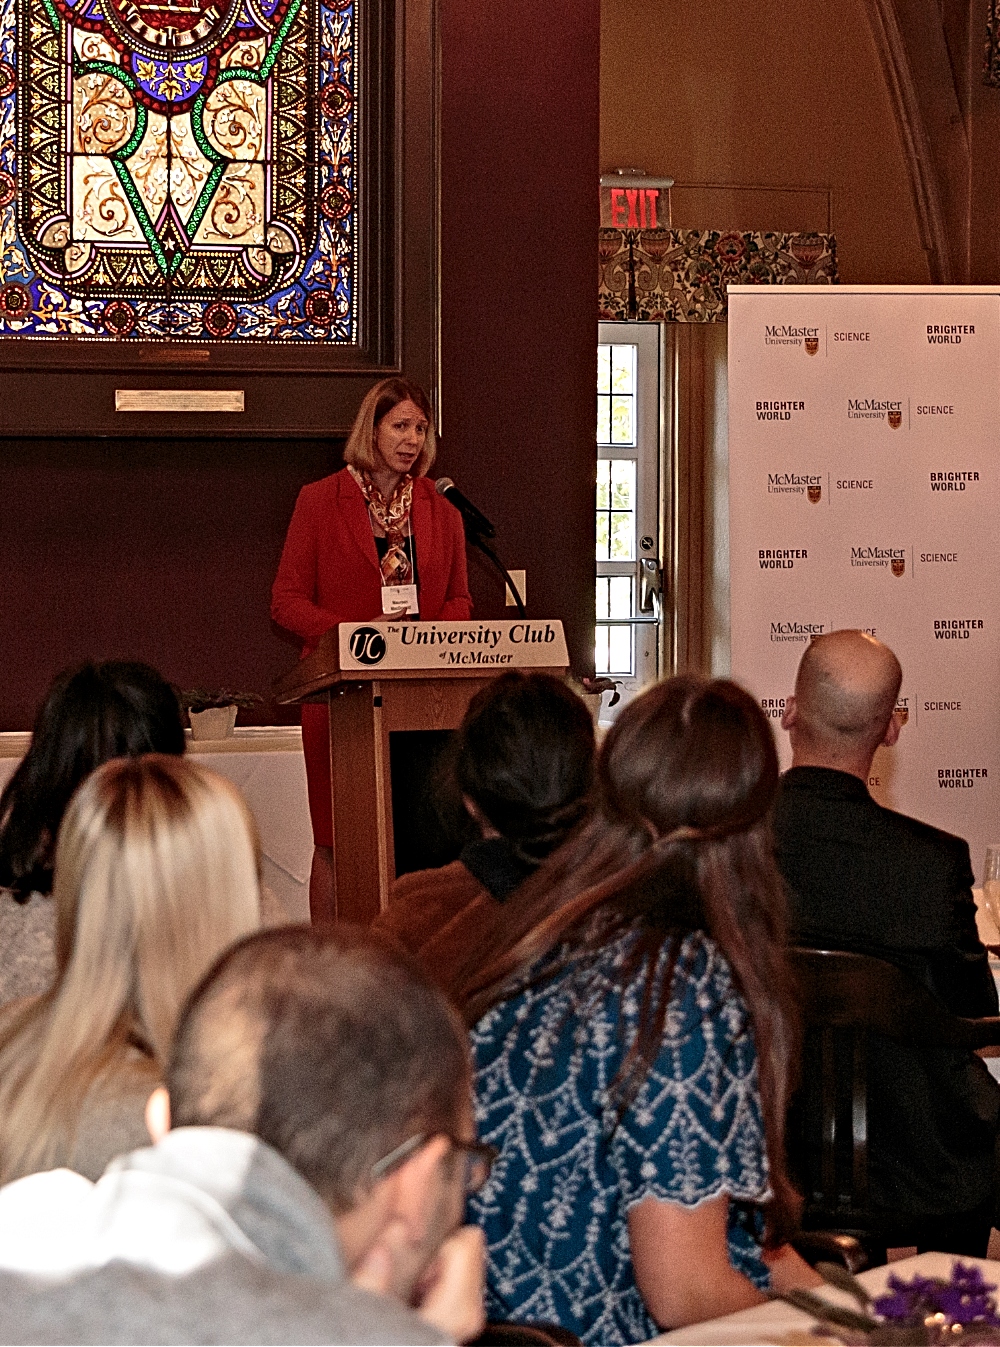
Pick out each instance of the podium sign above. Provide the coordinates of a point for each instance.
(442, 647)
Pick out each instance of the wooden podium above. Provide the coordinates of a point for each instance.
(382, 677)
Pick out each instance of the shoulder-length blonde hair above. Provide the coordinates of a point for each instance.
(378, 402)
(156, 873)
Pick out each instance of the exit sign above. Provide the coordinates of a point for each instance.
(634, 202)
(633, 207)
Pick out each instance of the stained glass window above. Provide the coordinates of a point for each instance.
(179, 170)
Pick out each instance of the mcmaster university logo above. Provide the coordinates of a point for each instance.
(783, 334)
(808, 484)
(876, 409)
(798, 633)
(881, 558)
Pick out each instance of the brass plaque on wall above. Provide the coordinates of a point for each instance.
(178, 400)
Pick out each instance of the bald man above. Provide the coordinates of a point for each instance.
(867, 879)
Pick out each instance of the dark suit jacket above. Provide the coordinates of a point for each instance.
(867, 879)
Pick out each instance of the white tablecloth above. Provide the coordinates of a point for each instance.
(267, 766)
(780, 1324)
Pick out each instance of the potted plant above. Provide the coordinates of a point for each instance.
(212, 714)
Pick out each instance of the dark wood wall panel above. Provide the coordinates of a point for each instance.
(148, 549)
(519, 201)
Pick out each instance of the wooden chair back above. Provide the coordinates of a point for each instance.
(845, 999)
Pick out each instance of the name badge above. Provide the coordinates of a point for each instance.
(399, 599)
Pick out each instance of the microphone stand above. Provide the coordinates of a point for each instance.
(473, 536)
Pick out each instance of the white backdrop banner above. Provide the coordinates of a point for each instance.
(864, 448)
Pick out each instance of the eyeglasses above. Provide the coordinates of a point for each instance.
(479, 1158)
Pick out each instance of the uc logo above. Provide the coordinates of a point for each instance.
(367, 645)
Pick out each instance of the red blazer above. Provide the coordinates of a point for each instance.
(329, 569)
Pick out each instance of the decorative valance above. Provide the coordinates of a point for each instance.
(680, 275)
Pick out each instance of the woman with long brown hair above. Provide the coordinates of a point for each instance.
(634, 1039)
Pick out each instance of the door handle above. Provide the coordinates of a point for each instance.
(650, 587)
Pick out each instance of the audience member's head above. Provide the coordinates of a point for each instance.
(690, 758)
(156, 872)
(524, 757)
(91, 714)
(336, 1050)
(845, 696)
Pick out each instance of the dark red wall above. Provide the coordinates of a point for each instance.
(165, 551)
(520, 94)
(145, 549)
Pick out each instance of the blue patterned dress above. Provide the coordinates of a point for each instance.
(556, 1206)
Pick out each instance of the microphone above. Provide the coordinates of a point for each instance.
(475, 523)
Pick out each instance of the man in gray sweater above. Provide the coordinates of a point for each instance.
(314, 1146)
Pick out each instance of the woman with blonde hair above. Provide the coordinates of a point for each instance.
(156, 873)
(368, 541)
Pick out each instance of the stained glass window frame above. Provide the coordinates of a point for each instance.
(391, 328)
(103, 144)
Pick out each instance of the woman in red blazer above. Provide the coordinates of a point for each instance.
(376, 523)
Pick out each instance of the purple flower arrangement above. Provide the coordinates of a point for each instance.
(963, 1301)
(923, 1310)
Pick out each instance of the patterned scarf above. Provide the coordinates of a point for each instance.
(392, 518)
